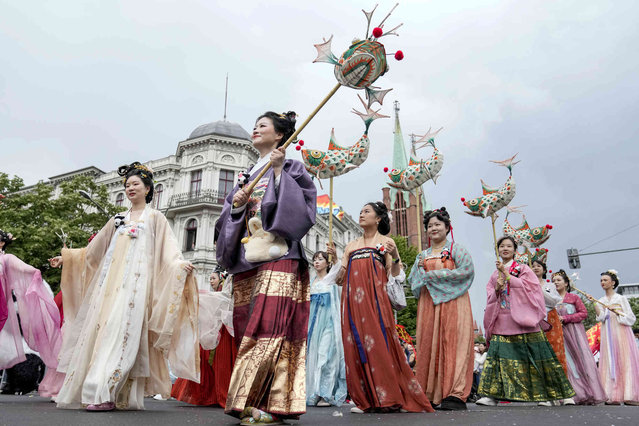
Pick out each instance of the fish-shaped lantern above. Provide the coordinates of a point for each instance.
(525, 235)
(523, 258)
(419, 171)
(493, 199)
(339, 160)
(363, 62)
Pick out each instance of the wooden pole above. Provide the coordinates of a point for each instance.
(248, 189)
(419, 217)
(610, 308)
(493, 218)
(330, 217)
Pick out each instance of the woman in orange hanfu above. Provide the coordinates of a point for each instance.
(440, 279)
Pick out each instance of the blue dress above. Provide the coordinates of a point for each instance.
(325, 367)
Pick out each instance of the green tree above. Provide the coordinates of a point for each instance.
(634, 305)
(34, 217)
(590, 320)
(408, 316)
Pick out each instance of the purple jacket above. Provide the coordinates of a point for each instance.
(288, 212)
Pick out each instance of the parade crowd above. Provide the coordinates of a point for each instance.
(277, 333)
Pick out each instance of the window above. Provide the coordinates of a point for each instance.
(196, 182)
(119, 199)
(158, 195)
(400, 214)
(317, 243)
(227, 181)
(191, 235)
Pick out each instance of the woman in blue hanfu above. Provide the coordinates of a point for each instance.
(325, 368)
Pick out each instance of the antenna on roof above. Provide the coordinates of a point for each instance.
(226, 93)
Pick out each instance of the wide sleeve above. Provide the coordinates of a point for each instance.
(4, 313)
(39, 315)
(289, 209)
(173, 314)
(417, 275)
(492, 307)
(526, 298)
(603, 312)
(230, 228)
(551, 296)
(581, 313)
(332, 274)
(629, 317)
(79, 268)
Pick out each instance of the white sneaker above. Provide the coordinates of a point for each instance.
(568, 401)
(487, 401)
(323, 403)
(545, 404)
(356, 410)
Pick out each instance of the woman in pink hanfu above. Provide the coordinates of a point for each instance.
(619, 360)
(39, 316)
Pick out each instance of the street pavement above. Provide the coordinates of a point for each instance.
(30, 410)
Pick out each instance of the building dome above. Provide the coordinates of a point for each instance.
(221, 128)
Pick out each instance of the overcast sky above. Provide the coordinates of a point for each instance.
(95, 83)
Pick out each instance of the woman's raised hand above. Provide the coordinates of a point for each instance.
(189, 268)
(500, 267)
(330, 250)
(55, 262)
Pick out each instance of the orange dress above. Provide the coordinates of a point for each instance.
(377, 373)
(445, 338)
(556, 338)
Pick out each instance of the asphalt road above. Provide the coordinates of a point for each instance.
(33, 410)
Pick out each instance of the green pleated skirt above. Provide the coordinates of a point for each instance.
(523, 367)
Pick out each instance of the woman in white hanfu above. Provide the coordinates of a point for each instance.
(130, 303)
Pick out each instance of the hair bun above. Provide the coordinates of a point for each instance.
(123, 170)
(291, 116)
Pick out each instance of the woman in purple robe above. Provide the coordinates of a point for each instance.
(270, 279)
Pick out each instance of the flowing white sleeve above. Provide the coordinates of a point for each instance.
(629, 317)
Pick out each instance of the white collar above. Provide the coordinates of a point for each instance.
(262, 161)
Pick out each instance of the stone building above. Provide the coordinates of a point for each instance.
(191, 186)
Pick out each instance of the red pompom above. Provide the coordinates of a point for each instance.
(399, 55)
(301, 142)
(547, 281)
(463, 200)
(548, 226)
(536, 249)
(385, 169)
(550, 271)
(297, 148)
(377, 32)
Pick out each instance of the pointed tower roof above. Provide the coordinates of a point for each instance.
(399, 155)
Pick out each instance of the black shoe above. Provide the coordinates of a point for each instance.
(451, 403)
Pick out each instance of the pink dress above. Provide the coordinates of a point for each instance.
(619, 361)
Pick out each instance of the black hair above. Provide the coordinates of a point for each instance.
(441, 214)
(143, 172)
(543, 265)
(383, 227)
(4, 237)
(613, 277)
(564, 276)
(504, 238)
(325, 256)
(283, 123)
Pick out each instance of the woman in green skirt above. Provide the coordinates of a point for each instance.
(521, 365)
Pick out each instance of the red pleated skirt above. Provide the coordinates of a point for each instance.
(215, 375)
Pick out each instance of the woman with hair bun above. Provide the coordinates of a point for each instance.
(619, 354)
(440, 279)
(270, 278)
(378, 376)
(582, 370)
(128, 298)
(521, 365)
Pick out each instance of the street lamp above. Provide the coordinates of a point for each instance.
(88, 197)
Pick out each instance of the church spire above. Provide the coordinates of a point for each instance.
(399, 155)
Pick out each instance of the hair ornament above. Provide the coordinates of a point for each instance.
(613, 272)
